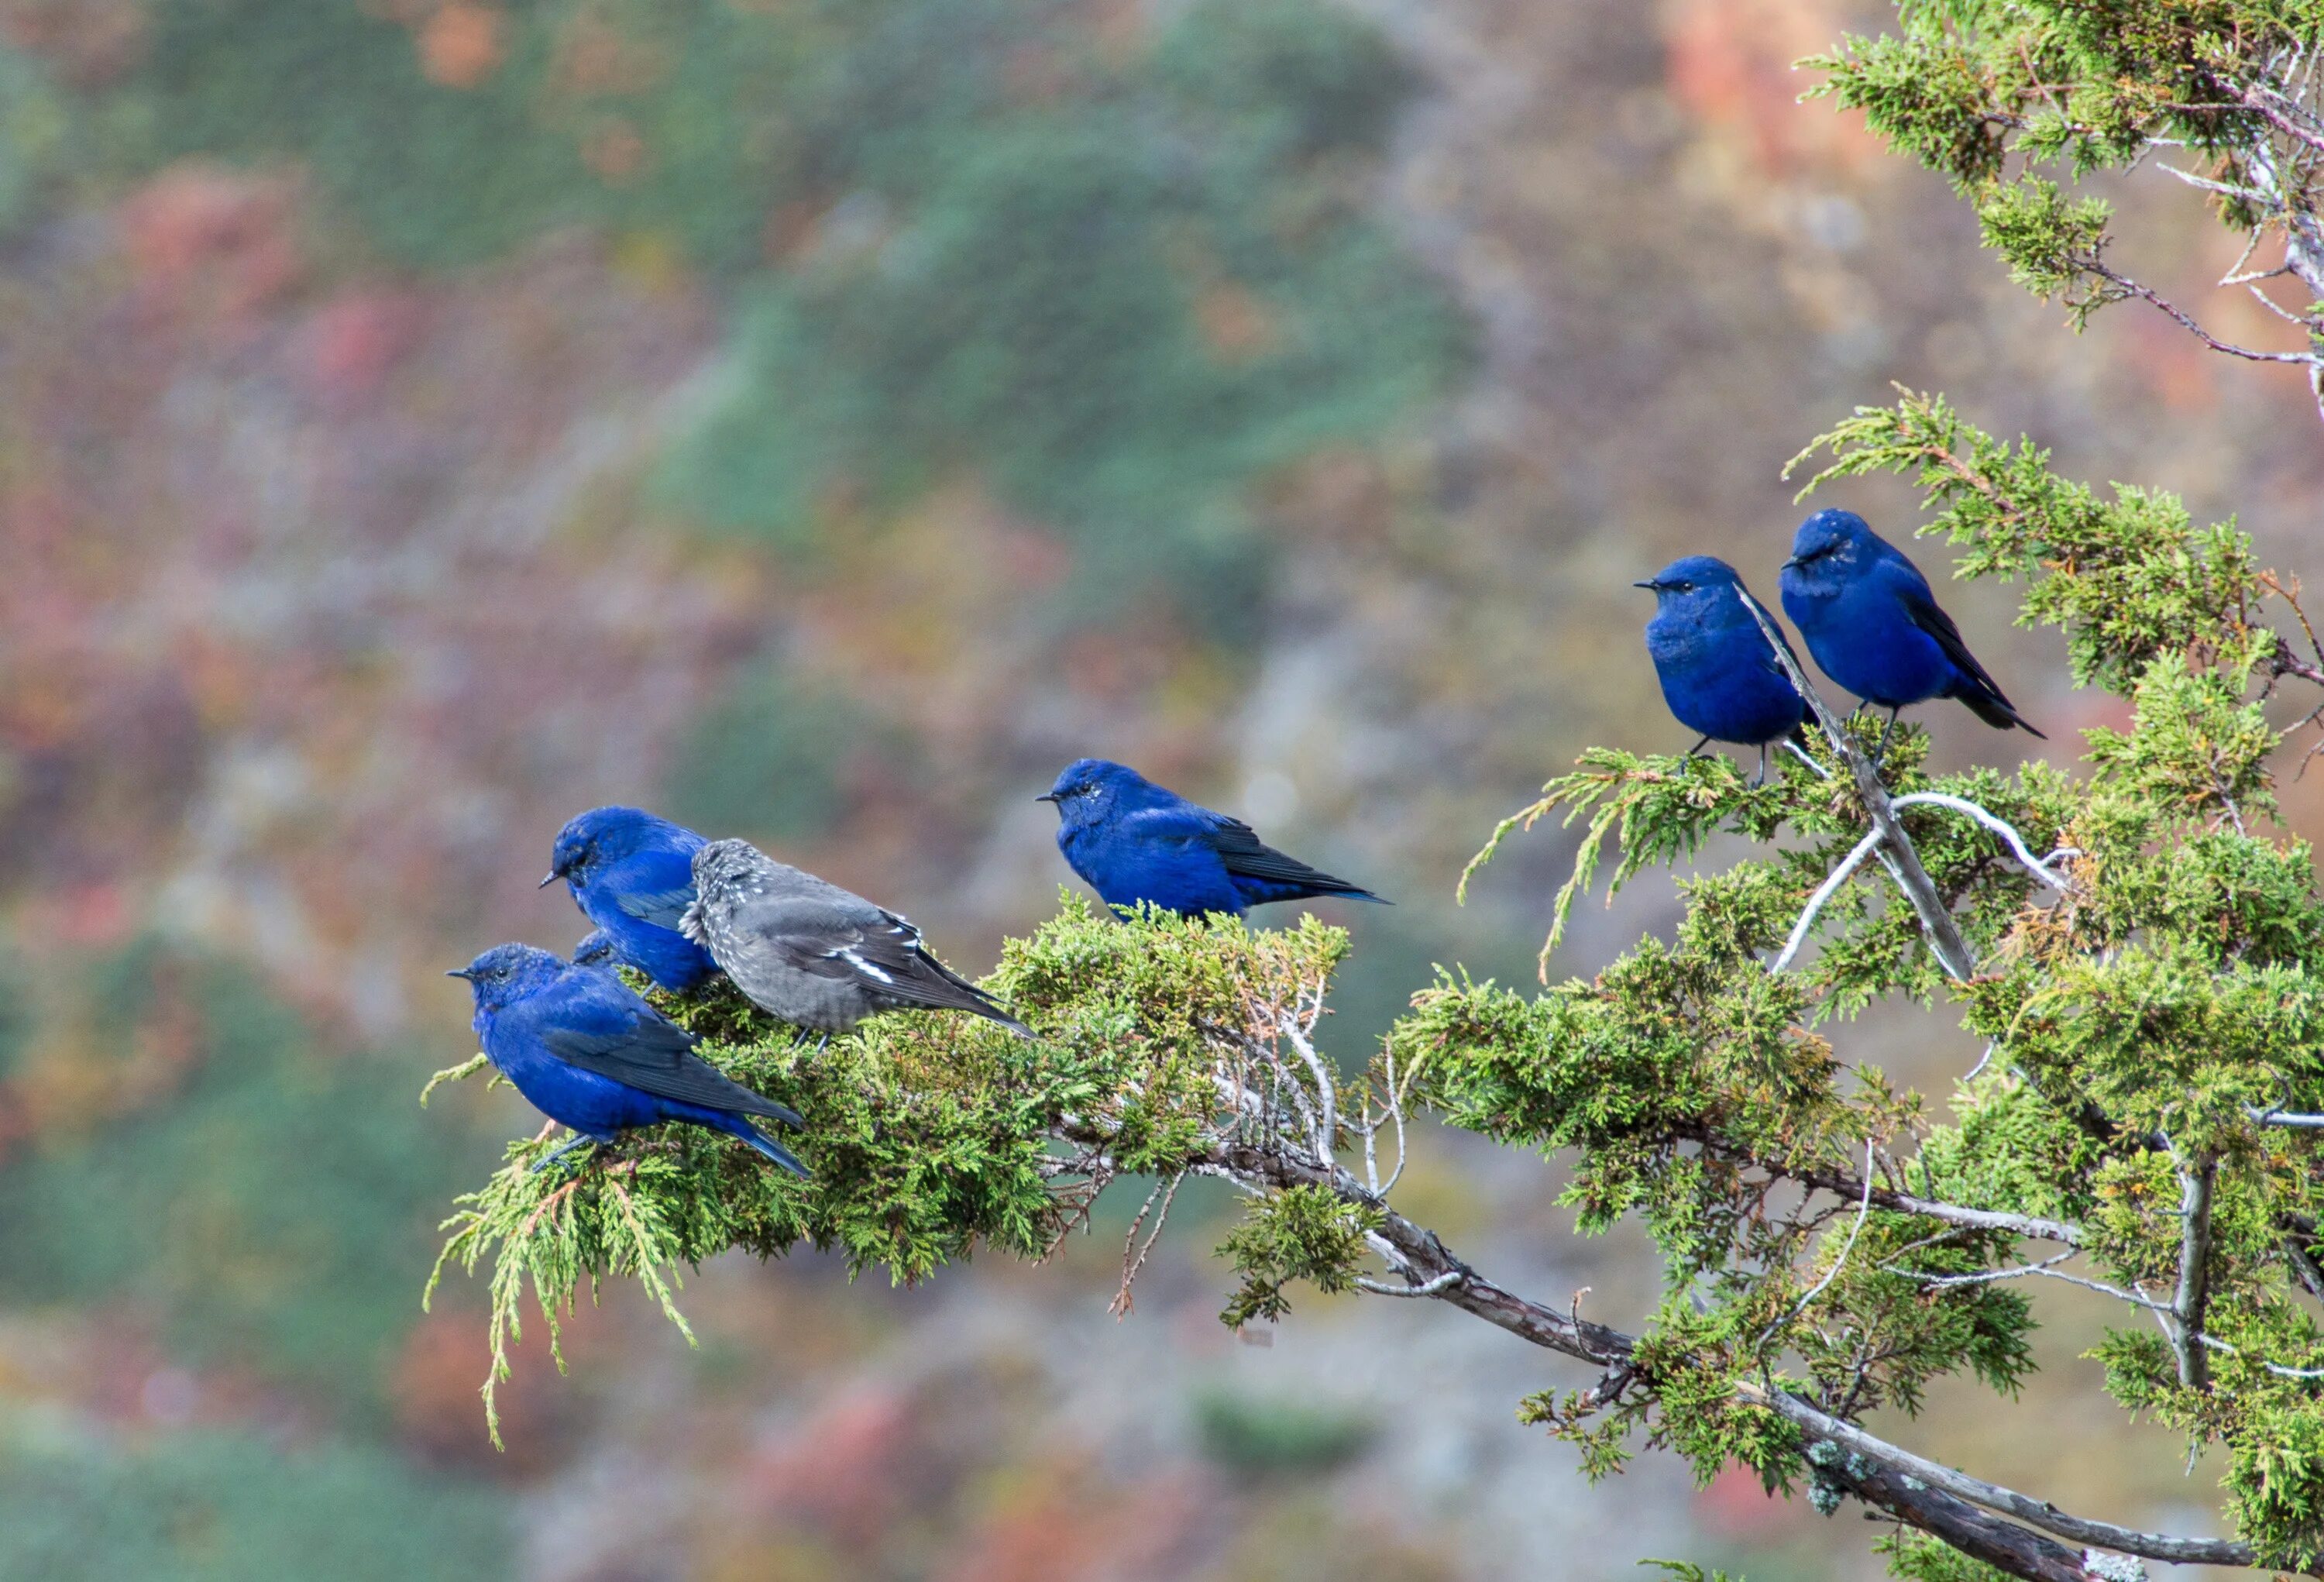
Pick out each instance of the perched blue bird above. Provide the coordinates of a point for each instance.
(595, 949)
(632, 875)
(1717, 673)
(1132, 841)
(1867, 615)
(578, 1043)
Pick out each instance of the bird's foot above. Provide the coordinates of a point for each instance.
(546, 1159)
(1880, 754)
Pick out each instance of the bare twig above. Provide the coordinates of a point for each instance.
(1863, 1209)
(1436, 1286)
(2307, 1122)
(2029, 1225)
(1123, 1302)
(2215, 1344)
(2037, 866)
(1395, 1113)
(1982, 1276)
(2090, 263)
(1327, 1124)
(2271, 201)
(2045, 1269)
(2038, 1513)
(1823, 892)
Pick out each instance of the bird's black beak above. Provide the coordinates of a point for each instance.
(1795, 560)
(553, 878)
(1047, 797)
(463, 973)
(1649, 584)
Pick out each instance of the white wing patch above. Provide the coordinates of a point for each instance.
(867, 968)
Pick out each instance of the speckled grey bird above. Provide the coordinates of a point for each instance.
(818, 957)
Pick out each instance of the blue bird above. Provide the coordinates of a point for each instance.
(632, 875)
(1717, 673)
(1867, 615)
(595, 949)
(589, 1053)
(1133, 841)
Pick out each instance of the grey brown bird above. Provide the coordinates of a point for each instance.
(817, 956)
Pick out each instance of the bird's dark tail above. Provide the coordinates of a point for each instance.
(1320, 886)
(1010, 1023)
(984, 1005)
(752, 1103)
(965, 996)
(1989, 706)
(769, 1147)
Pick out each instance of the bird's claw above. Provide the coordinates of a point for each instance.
(558, 1153)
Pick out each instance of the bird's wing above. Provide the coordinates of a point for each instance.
(652, 887)
(841, 936)
(1247, 856)
(1983, 694)
(635, 1045)
(1921, 604)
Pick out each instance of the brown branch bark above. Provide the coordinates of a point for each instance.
(2194, 1271)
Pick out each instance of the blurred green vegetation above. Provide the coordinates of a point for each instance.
(209, 1506)
(767, 758)
(1247, 1435)
(267, 1205)
(1122, 306)
(33, 126)
(15, 1020)
(1121, 284)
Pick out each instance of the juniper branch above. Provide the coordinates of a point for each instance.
(1424, 1253)
(1897, 850)
(2193, 1301)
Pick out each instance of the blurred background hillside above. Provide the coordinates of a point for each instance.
(820, 419)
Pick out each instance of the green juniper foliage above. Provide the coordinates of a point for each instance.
(2147, 949)
(2019, 101)
(1918, 1558)
(1687, 1571)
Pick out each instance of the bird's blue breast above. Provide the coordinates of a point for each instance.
(1179, 873)
(580, 1099)
(663, 953)
(1717, 679)
(1864, 638)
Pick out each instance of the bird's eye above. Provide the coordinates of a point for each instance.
(1683, 586)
